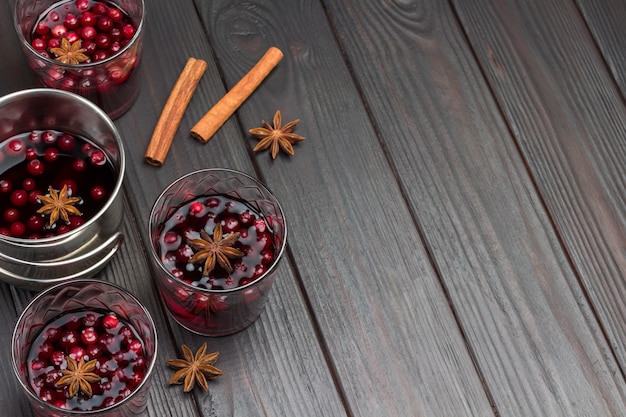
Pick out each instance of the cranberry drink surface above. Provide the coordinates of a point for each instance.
(44, 167)
(82, 337)
(204, 213)
(84, 32)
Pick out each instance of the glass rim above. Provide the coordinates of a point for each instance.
(131, 43)
(270, 270)
(55, 287)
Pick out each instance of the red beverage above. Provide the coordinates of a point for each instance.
(255, 241)
(84, 336)
(44, 163)
(92, 49)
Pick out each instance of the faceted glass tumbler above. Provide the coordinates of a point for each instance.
(212, 312)
(84, 294)
(112, 83)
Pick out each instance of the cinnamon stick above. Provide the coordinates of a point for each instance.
(172, 114)
(227, 105)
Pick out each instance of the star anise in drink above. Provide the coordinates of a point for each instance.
(58, 205)
(70, 53)
(79, 376)
(194, 369)
(278, 137)
(217, 250)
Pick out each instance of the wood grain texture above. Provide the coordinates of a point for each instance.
(260, 379)
(532, 333)
(605, 19)
(576, 144)
(381, 312)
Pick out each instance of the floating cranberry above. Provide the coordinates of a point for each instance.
(19, 197)
(72, 186)
(48, 137)
(59, 31)
(97, 158)
(128, 31)
(88, 19)
(45, 350)
(54, 43)
(52, 334)
(72, 37)
(47, 395)
(99, 8)
(260, 225)
(110, 321)
(5, 186)
(33, 197)
(79, 165)
(267, 256)
(104, 23)
(212, 202)
(30, 154)
(66, 142)
(11, 215)
(15, 147)
(34, 137)
(39, 44)
(69, 339)
(88, 336)
(230, 224)
(35, 167)
(17, 229)
(35, 223)
(77, 353)
(102, 40)
(71, 21)
(29, 184)
(42, 28)
(51, 154)
(88, 33)
(57, 358)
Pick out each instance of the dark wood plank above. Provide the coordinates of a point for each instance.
(391, 337)
(532, 333)
(605, 19)
(575, 146)
(262, 376)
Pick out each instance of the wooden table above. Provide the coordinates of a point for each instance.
(457, 220)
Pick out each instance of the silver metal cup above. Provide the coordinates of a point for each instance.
(37, 263)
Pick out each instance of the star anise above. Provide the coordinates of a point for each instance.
(218, 249)
(194, 368)
(70, 53)
(277, 137)
(58, 205)
(79, 376)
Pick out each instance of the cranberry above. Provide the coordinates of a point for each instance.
(212, 202)
(59, 31)
(52, 334)
(97, 158)
(51, 154)
(104, 23)
(77, 353)
(35, 223)
(34, 137)
(246, 218)
(230, 224)
(136, 346)
(72, 187)
(54, 16)
(90, 320)
(4, 231)
(102, 40)
(39, 44)
(5, 186)
(19, 197)
(17, 229)
(94, 351)
(51, 377)
(184, 253)
(88, 336)
(35, 167)
(71, 21)
(45, 350)
(54, 43)
(260, 225)
(76, 221)
(126, 333)
(196, 209)
(33, 196)
(114, 49)
(48, 137)
(99, 8)
(66, 142)
(28, 184)
(100, 55)
(79, 165)
(57, 358)
(115, 14)
(15, 147)
(87, 19)
(47, 395)
(69, 339)
(72, 37)
(128, 31)
(90, 48)
(116, 34)
(42, 28)
(267, 256)
(88, 33)
(110, 321)
(30, 154)
(11, 215)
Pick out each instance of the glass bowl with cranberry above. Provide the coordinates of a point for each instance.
(217, 236)
(86, 347)
(88, 47)
(61, 169)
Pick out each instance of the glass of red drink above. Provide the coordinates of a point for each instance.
(217, 236)
(88, 47)
(93, 323)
